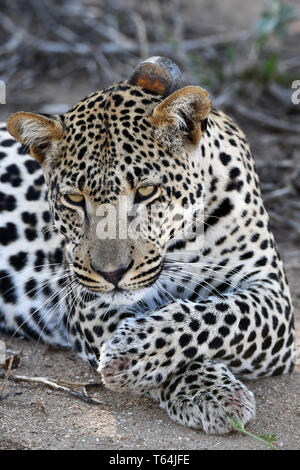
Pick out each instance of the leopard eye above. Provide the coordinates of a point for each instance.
(75, 199)
(145, 192)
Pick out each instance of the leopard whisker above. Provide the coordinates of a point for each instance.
(194, 275)
(42, 286)
(36, 310)
(205, 282)
(54, 309)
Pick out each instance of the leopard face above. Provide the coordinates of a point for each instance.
(120, 189)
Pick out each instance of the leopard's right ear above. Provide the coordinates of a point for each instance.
(37, 132)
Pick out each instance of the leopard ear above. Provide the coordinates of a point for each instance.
(181, 117)
(36, 132)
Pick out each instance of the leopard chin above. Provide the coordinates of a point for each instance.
(122, 297)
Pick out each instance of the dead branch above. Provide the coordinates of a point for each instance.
(266, 120)
(277, 193)
(141, 34)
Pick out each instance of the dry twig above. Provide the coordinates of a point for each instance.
(6, 376)
(51, 383)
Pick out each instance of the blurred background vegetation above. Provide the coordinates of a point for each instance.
(54, 52)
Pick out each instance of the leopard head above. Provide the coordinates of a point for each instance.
(123, 175)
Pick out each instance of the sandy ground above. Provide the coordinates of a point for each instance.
(36, 417)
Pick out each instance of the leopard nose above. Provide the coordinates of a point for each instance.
(113, 277)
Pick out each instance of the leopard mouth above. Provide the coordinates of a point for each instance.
(117, 291)
(127, 294)
(131, 285)
(119, 296)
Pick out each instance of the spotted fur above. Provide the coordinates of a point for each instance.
(189, 317)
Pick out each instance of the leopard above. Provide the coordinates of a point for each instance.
(133, 230)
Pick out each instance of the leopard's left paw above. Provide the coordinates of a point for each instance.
(113, 366)
(127, 360)
(121, 357)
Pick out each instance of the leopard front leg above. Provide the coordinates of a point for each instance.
(201, 393)
(250, 331)
(146, 353)
(205, 395)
